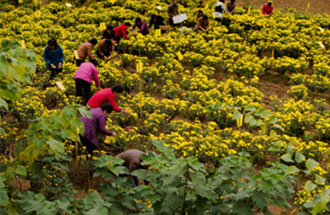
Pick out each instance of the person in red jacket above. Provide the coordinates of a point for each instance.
(107, 95)
(121, 31)
(267, 9)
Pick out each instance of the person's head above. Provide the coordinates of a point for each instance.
(270, 3)
(109, 28)
(175, 1)
(205, 17)
(93, 41)
(117, 90)
(232, 1)
(128, 24)
(52, 44)
(138, 21)
(106, 108)
(223, 1)
(200, 13)
(153, 17)
(108, 42)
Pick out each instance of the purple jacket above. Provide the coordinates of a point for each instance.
(144, 29)
(95, 125)
(87, 71)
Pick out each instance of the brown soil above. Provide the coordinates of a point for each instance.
(316, 6)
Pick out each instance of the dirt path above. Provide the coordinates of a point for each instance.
(316, 6)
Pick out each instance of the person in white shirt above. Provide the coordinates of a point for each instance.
(219, 10)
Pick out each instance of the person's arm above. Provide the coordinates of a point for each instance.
(125, 34)
(271, 11)
(198, 25)
(96, 77)
(89, 52)
(46, 56)
(133, 27)
(112, 101)
(99, 49)
(208, 25)
(263, 10)
(102, 126)
(170, 11)
(143, 26)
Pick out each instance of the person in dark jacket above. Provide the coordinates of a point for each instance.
(104, 49)
(108, 33)
(231, 6)
(132, 161)
(173, 10)
(156, 21)
(95, 125)
(53, 55)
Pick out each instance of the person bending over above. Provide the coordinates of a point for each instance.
(53, 56)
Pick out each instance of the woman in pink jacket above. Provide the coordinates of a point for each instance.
(84, 78)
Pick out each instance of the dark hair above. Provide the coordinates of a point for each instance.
(205, 17)
(52, 42)
(137, 20)
(117, 89)
(127, 24)
(200, 12)
(108, 42)
(269, 4)
(109, 27)
(106, 107)
(93, 41)
(153, 16)
(93, 62)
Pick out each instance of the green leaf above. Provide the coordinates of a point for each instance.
(3, 197)
(55, 145)
(309, 186)
(287, 158)
(264, 113)
(291, 170)
(276, 147)
(237, 115)
(311, 164)
(85, 112)
(249, 108)
(299, 157)
(21, 170)
(205, 192)
(320, 180)
(3, 103)
(250, 120)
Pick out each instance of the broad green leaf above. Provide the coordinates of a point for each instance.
(299, 157)
(264, 113)
(3, 197)
(309, 186)
(249, 107)
(291, 170)
(320, 180)
(55, 145)
(3, 103)
(311, 164)
(287, 158)
(21, 170)
(237, 115)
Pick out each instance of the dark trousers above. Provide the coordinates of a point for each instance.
(54, 72)
(107, 54)
(89, 146)
(83, 89)
(79, 62)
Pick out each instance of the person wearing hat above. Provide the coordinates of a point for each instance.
(267, 9)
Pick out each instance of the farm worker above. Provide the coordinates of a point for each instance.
(199, 14)
(107, 95)
(173, 10)
(202, 24)
(104, 49)
(95, 125)
(142, 25)
(267, 9)
(132, 161)
(53, 55)
(156, 21)
(219, 9)
(84, 77)
(121, 31)
(85, 50)
(231, 5)
(108, 33)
